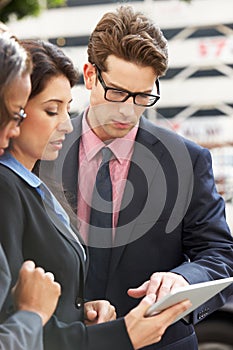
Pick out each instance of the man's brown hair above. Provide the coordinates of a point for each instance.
(131, 36)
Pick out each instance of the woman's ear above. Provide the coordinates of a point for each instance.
(89, 74)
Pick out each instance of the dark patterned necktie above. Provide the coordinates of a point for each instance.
(100, 232)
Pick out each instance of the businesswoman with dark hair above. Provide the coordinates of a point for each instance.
(36, 294)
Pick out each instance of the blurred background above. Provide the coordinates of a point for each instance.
(197, 91)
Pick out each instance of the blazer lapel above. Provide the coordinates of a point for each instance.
(5, 277)
(136, 200)
(67, 163)
(66, 233)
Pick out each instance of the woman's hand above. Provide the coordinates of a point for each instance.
(143, 330)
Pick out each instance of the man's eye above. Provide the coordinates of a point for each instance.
(143, 97)
(118, 92)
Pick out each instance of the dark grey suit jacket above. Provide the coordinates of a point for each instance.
(22, 330)
(28, 231)
(172, 219)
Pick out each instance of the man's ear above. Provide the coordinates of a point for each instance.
(89, 75)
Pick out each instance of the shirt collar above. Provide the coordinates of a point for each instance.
(10, 162)
(91, 143)
(122, 148)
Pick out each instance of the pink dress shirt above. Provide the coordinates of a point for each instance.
(89, 161)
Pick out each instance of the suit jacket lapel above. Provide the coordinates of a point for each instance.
(68, 163)
(5, 277)
(64, 170)
(66, 233)
(136, 199)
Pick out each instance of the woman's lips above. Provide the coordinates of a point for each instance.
(57, 144)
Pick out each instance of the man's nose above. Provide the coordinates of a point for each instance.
(127, 107)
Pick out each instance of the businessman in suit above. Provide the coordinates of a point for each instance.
(168, 221)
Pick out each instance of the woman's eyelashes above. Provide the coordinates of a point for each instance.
(50, 113)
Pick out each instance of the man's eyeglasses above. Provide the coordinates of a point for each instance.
(117, 95)
(19, 117)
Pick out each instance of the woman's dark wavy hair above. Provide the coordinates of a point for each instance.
(48, 61)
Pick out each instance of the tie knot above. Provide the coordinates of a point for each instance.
(107, 154)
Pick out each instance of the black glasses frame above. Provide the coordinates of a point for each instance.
(19, 117)
(129, 94)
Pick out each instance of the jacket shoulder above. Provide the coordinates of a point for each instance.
(167, 136)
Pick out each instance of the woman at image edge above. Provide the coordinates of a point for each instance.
(35, 294)
(28, 232)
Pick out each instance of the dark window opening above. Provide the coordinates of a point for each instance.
(70, 41)
(207, 113)
(205, 32)
(206, 73)
(169, 112)
(171, 73)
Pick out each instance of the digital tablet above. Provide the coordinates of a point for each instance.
(197, 293)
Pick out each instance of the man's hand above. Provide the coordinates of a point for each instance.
(99, 311)
(143, 330)
(36, 291)
(160, 284)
